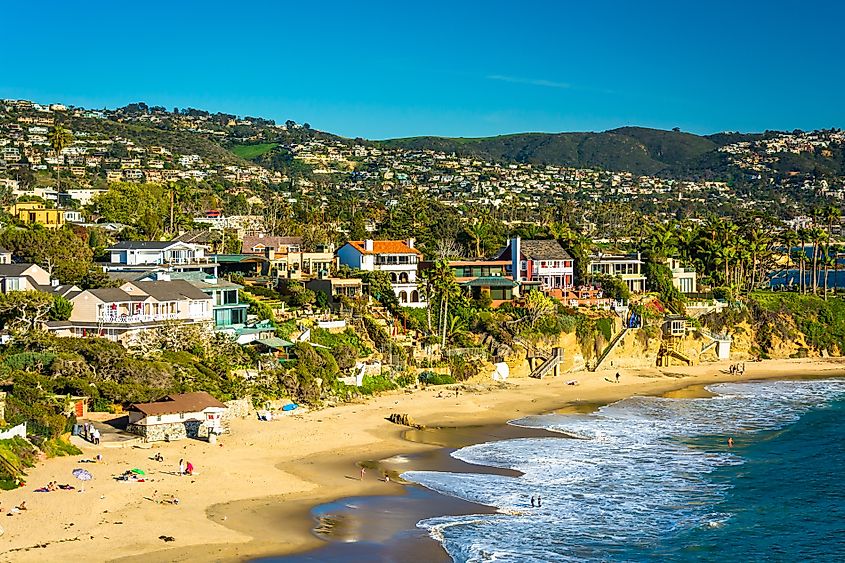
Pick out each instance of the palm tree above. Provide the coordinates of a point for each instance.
(818, 235)
(478, 229)
(827, 261)
(789, 239)
(804, 235)
(59, 138)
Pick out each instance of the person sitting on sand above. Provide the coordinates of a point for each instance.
(189, 468)
(158, 457)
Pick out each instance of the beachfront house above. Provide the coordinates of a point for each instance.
(481, 278)
(540, 264)
(185, 415)
(628, 267)
(398, 258)
(684, 279)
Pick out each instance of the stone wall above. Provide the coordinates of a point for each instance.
(238, 408)
(174, 431)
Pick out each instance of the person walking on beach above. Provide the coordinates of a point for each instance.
(181, 467)
(532, 502)
(363, 470)
(617, 377)
(96, 437)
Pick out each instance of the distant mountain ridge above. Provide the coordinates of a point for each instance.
(639, 150)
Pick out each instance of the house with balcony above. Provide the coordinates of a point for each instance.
(287, 257)
(336, 288)
(123, 313)
(685, 280)
(176, 256)
(483, 277)
(540, 264)
(398, 258)
(628, 267)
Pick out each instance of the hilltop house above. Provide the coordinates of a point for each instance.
(123, 314)
(627, 266)
(398, 258)
(32, 212)
(31, 277)
(287, 257)
(543, 264)
(186, 415)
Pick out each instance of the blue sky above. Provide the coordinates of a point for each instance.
(390, 69)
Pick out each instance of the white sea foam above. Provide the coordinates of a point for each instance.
(634, 476)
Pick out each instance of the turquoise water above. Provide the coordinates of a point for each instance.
(653, 479)
(786, 501)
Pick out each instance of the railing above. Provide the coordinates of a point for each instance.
(124, 318)
(724, 337)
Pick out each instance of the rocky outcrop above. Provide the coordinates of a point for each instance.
(404, 420)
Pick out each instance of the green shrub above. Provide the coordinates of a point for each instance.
(432, 378)
(376, 384)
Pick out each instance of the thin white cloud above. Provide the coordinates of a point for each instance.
(529, 81)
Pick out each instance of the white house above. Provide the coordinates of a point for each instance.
(398, 258)
(628, 267)
(186, 415)
(684, 279)
(156, 253)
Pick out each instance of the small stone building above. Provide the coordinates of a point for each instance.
(186, 415)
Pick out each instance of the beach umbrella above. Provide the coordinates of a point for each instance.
(82, 475)
(137, 471)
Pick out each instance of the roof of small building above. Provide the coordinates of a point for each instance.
(490, 281)
(167, 290)
(113, 295)
(144, 245)
(275, 343)
(237, 258)
(268, 241)
(182, 402)
(384, 247)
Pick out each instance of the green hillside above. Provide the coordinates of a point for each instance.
(635, 149)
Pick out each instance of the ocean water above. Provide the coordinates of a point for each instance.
(650, 478)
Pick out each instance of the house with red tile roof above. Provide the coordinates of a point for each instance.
(398, 258)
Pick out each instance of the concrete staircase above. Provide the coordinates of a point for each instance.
(610, 348)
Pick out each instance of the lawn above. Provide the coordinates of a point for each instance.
(249, 152)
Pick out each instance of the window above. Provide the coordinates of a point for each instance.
(182, 416)
(158, 418)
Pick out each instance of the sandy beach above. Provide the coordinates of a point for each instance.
(255, 490)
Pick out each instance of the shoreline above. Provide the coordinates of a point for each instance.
(257, 491)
